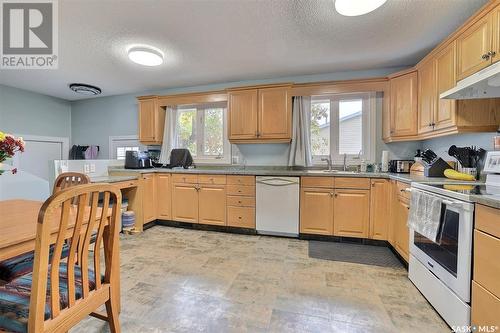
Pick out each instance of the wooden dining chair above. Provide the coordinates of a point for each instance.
(69, 179)
(60, 293)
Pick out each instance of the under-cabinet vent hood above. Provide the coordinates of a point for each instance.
(483, 84)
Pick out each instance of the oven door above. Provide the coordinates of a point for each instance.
(450, 259)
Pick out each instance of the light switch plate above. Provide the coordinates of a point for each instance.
(92, 167)
(86, 168)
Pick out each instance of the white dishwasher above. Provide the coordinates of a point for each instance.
(277, 206)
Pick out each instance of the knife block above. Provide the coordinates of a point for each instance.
(436, 168)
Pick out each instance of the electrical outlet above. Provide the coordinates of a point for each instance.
(86, 168)
(92, 167)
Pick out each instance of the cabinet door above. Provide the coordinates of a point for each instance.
(472, 45)
(351, 213)
(426, 97)
(275, 114)
(379, 208)
(394, 206)
(242, 114)
(316, 211)
(485, 307)
(147, 109)
(401, 232)
(212, 204)
(446, 68)
(386, 117)
(495, 18)
(164, 196)
(149, 197)
(185, 203)
(404, 105)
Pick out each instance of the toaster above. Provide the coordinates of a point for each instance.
(137, 160)
(400, 166)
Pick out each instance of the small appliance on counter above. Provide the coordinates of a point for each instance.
(137, 160)
(400, 166)
(180, 158)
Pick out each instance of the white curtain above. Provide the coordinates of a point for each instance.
(169, 134)
(300, 148)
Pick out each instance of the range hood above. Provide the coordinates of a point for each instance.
(483, 84)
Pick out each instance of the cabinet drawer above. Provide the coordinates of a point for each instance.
(212, 179)
(317, 182)
(488, 220)
(185, 179)
(352, 182)
(240, 201)
(486, 263)
(241, 190)
(241, 180)
(241, 217)
(401, 188)
(485, 307)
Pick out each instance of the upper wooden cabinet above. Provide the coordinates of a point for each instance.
(495, 16)
(427, 97)
(260, 114)
(446, 64)
(151, 120)
(403, 106)
(473, 47)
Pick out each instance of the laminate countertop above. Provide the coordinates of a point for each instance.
(488, 200)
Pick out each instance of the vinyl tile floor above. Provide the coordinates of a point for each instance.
(181, 280)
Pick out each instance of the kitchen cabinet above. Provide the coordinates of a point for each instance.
(401, 231)
(241, 201)
(403, 105)
(316, 211)
(351, 213)
(495, 17)
(427, 97)
(185, 202)
(242, 107)
(148, 181)
(260, 114)
(473, 46)
(444, 115)
(164, 196)
(485, 305)
(151, 120)
(379, 208)
(212, 204)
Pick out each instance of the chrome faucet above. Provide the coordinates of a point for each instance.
(345, 162)
(328, 161)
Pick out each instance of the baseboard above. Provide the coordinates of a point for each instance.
(206, 227)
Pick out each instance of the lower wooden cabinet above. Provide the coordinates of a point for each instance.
(148, 181)
(316, 211)
(185, 203)
(212, 204)
(242, 217)
(241, 201)
(485, 307)
(401, 231)
(163, 196)
(351, 213)
(379, 208)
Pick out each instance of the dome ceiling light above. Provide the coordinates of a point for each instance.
(357, 7)
(146, 56)
(85, 89)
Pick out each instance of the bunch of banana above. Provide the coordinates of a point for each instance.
(452, 174)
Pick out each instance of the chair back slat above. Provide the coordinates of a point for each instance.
(56, 259)
(85, 243)
(99, 239)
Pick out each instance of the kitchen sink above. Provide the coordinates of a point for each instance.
(332, 171)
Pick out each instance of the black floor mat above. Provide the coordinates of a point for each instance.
(355, 253)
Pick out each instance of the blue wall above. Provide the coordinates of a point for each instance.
(25, 112)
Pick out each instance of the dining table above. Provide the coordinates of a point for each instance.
(18, 228)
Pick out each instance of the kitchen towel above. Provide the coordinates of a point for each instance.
(425, 214)
(91, 153)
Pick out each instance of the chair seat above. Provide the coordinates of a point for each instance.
(22, 264)
(15, 298)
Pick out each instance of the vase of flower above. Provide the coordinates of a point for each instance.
(9, 146)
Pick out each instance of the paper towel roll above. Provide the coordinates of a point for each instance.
(385, 161)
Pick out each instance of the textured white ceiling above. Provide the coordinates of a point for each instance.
(212, 41)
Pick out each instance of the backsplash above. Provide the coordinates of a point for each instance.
(440, 145)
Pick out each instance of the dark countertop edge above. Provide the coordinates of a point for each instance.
(112, 179)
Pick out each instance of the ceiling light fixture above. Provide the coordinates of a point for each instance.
(145, 55)
(357, 7)
(85, 89)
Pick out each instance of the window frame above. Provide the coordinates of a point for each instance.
(200, 157)
(122, 141)
(368, 128)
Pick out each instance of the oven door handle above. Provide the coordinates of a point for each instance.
(452, 203)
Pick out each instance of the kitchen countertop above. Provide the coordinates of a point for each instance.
(112, 179)
(488, 200)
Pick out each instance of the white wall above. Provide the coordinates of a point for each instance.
(441, 145)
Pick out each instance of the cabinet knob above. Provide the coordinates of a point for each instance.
(331, 194)
(239, 217)
(492, 53)
(485, 56)
(239, 201)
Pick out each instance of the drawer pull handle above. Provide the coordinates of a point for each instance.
(239, 202)
(239, 217)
